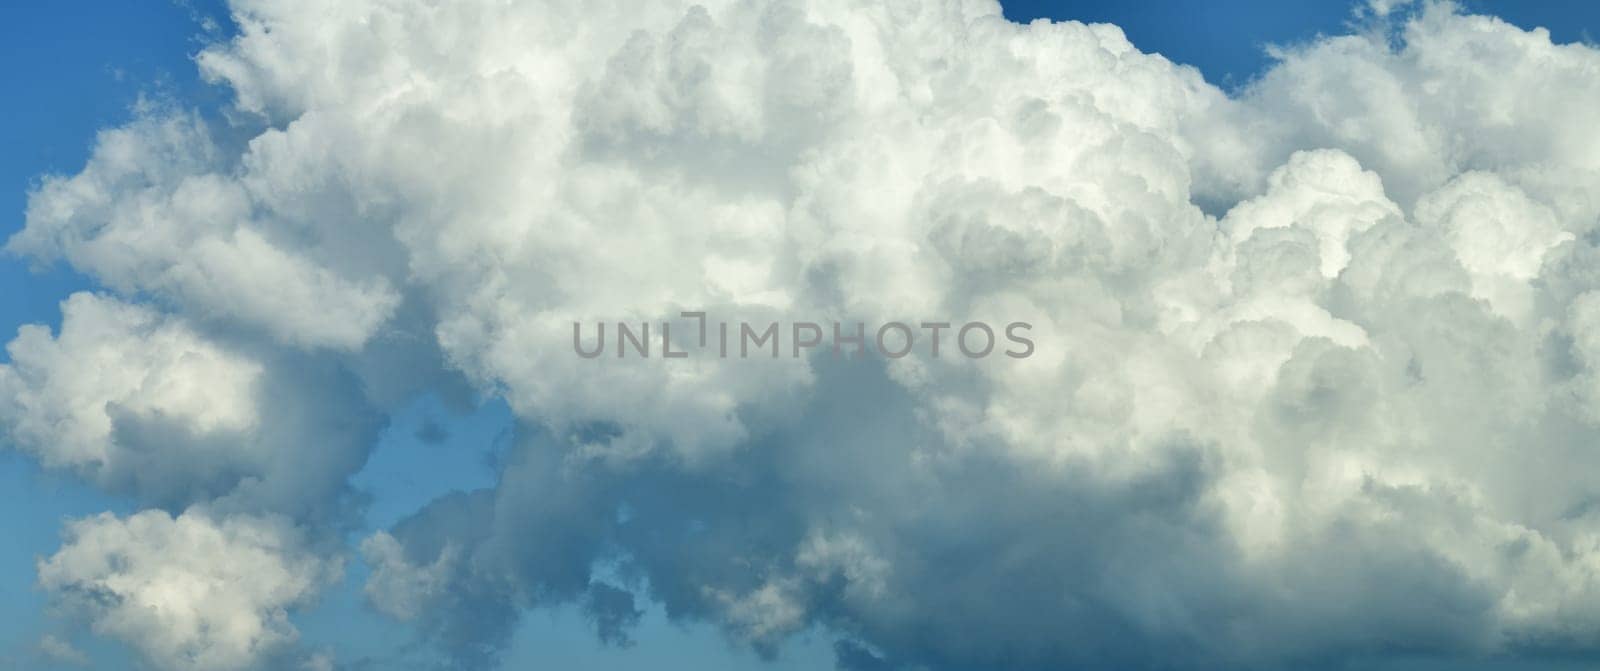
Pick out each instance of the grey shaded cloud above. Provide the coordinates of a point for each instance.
(1315, 382)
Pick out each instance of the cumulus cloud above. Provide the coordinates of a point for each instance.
(154, 212)
(1315, 375)
(112, 357)
(145, 404)
(188, 592)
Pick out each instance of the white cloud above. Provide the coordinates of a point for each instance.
(189, 592)
(1499, 234)
(156, 212)
(149, 405)
(1315, 371)
(1458, 93)
(59, 395)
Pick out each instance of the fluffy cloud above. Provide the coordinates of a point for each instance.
(155, 212)
(1316, 370)
(188, 592)
(147, 405)
(113, 358)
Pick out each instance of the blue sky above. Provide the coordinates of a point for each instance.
(75, 67)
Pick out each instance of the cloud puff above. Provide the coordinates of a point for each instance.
(112, 358)
(1436, 96)
(145, 404)
(1315, 376)
(188, 592)
(155, 212)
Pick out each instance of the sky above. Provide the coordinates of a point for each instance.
(399, 478)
